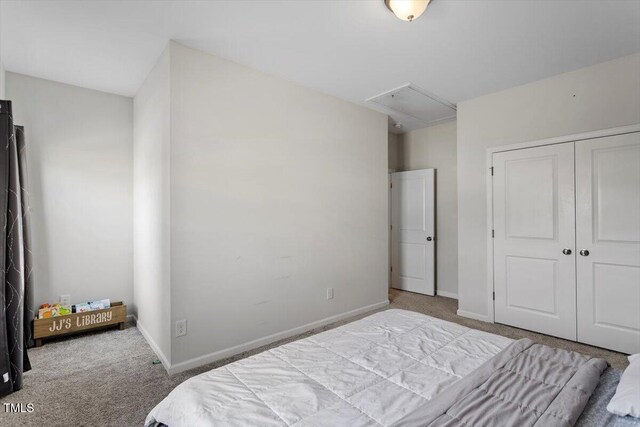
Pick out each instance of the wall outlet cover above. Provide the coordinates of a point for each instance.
(329, 293)
(181, 328)
(65, 300)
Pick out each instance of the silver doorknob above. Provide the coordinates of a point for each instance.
(429, 239)
(566, 251)
(584, 252)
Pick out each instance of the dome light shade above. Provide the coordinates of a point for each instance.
(407, 10)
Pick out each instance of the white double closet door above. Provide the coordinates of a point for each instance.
(567, 240)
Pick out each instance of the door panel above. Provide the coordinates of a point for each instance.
(534, 221)
(531, 198)
(608, 227)
(533, 284)
(412, 261)
(412, 224)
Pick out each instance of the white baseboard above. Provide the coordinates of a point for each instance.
(228, 352)
(153, 345)
(447, 294)
(475, 316)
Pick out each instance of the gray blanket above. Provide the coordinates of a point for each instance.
(527, 384)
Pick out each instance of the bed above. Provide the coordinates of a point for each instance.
(393, 368)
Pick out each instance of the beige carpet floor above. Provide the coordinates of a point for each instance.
(108, 379)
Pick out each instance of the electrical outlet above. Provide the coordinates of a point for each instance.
(329, 293)
(65, 300)
(181, 328)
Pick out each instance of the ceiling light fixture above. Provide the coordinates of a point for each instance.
(407, 10)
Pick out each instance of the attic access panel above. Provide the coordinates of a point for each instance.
(409, 100)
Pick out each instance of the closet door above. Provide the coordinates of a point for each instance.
(534, 226)
(608, 242)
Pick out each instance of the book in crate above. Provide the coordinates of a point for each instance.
(79, 322)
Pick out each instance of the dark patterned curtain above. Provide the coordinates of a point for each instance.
(15, 257)
(27, 257)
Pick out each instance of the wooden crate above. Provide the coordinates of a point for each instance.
(79, 322)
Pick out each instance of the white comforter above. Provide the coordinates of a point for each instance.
(367, 373)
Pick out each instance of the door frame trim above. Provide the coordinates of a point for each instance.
(489, 185)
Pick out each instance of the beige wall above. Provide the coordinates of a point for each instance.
(395, 154)
(79, 163)
(151, 175)
(2, 71)
(2, 81)
(274, 198)
(435, 147)
(597, 97)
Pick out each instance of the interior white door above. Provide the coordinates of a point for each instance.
(412, 231)
(534, 229)
(608, 242)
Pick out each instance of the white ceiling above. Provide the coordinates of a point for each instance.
(458, 49)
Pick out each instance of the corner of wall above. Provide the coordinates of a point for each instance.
(164, 359)
(152, 278)
(474, 316)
